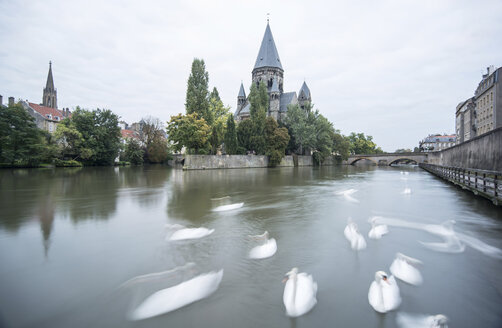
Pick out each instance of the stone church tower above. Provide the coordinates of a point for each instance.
(268, 69)
(50, 98)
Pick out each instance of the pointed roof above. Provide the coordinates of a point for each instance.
(305, 89)
(268, 55)
(50, 80)
(275, 86)
(241, 92)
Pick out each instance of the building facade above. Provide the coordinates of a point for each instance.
(483, 112)
(268, 69)
(437, 142)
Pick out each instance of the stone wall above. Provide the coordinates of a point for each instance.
(203, 162)
(483, 153)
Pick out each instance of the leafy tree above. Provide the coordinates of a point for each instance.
(100, 134)
(341, 145)
(21, 142)
(158, 151)
(259, 100)
(244, 134)
(324, 133)
(301, 124)
(197, 90)
(231, 136)
(218, 115)
(189, 131)
(276, 141)
(403, 150)
(153, 138)
(71, 142)
(133, 152)
(361, 144)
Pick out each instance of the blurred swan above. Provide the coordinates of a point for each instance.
(377, 230)
(258, 237)
(263, 251)
(347, 195)
(172, 298)
(220, 198)
(407, 191)
(299, 293)
(405, 320)
(383, 294)
(351, 232)
(183, 233)
(404, 268)
(228, 207)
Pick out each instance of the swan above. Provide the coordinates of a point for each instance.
(172, 298)
(451, 242)
(383, 294)
(352, 234)
(404, 268)
(347, 195)
(228, 207)
(377, 230)
(299, 293)
(258, 237)
(406, 320)
(263, 251)
(183, 233)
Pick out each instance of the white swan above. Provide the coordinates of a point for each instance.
(351, 232)
(299, 293)
(404, 268)
(183, 233)
(406, 320)
(172, 298)
(228, 207)
(377, 230)
(347, 195)
(383, 294)
(268, 249)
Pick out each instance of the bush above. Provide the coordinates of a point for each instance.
(68, 163)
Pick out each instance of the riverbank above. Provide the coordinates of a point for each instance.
(212, 162)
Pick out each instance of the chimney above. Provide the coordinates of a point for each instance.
(1, 101)
(11, 101)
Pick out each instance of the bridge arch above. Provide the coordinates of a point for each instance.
(394, 161)
(361, 158)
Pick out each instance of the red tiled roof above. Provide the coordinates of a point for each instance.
(44, 111)
(129, 134)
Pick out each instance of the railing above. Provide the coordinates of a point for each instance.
(485, 183)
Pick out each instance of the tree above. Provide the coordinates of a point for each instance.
(100, 135)
(403, 150)
(21, 142)
(218, 120)
(341, 146)
(158, 151)
(324, 133)
(189, 131)
(300, 123)
(133, 152)
(244, 134)
(276, 141)
(197, 90)
(231, 136)
(71, 142)
(153, 138)
(361, 144)
(259, 100)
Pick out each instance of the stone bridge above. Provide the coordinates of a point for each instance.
(388, 158)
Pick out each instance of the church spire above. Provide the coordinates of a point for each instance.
(49, 98)
(268, 55)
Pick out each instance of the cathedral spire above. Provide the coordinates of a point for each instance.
(268, 55)
(49, 98)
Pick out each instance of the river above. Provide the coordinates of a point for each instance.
(70, 239)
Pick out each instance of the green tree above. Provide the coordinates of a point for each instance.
(341, 146)
(301, 124)
(197, 100)
(259, 100)
(158, 151)
(361, 144)
(244, 135)
(133, 152)
(276, 141)
(100, 133)
(231, 136)
(21, 142)
(71, 142)
(189, 131)
(324, 133)
(218, 114)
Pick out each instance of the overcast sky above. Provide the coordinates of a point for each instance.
(392, 69)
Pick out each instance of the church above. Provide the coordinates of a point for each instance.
(268, 69)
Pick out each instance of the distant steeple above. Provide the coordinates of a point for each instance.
(268, 55)
(304, 93)
(242, 93)
(49, 98)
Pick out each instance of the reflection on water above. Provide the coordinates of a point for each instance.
(71, 238)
